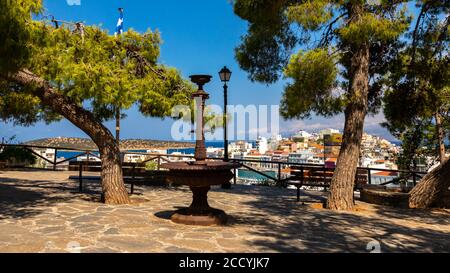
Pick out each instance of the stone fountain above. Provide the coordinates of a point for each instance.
(200, 175)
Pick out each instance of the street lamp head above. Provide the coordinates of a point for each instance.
(225, 74)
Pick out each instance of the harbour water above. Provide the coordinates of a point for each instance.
(187, 151)
(244, 175)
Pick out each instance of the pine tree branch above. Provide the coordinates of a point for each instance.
(143, 62)
(327, 35)
(422, 14)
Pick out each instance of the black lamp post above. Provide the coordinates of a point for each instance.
(225, 75)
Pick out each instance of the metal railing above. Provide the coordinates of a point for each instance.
(54, 163)
(415, 176)
(251, 165)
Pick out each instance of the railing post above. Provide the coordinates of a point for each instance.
(279, 174)
(369, 176)
(80, 177)
(159, 163)
(414, 178)
(235, 176)
(133, 177)
(303, 175)
(55, 158)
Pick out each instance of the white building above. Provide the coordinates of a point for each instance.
(302, 157)
(49, 154)
(239, 148)
(214, 152)
(157, 151)
(134, 158)
(262, 145)
(302, 134)
(273, 142)
(328, 132)
(177, 156)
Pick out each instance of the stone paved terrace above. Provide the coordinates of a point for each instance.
(42, 212)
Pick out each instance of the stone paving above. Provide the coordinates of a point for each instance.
(43, 212)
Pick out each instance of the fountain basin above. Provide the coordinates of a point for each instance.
(199, 176)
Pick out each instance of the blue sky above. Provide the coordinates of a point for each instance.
(199, 36)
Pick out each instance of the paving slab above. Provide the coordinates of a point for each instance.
(41, 211)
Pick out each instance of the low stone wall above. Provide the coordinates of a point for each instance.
(385, 197)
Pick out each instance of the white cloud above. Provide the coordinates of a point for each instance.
(73, 2)
(315, 124)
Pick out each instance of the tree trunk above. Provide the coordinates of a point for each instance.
(114, 191)
(118, 125)
(433, 187)
(441, 136)
(343, 181)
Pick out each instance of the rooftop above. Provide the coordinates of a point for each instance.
(42, 212)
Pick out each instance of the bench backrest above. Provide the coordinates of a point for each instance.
(323, 175)
(127, 168)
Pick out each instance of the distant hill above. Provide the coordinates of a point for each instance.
(126, 144)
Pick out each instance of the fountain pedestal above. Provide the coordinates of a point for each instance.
(199, 177)
(201, 174)
(200, 213)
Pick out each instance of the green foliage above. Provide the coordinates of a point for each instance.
(310, 15)
(374, 28)
(314, 87)
(265, 50)
(22, 108)
(212, 119)
(17, 155)
(320, 73)
(151, 166)
(418, 85)
(110, 72)
(15, 34)
(94, 69)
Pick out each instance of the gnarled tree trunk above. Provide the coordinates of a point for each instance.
(114, 191)
(441, 135)
(342, 183)
(433, 187)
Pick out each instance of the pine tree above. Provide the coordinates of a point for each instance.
(81, 73)
(417, 103)
(345, 47)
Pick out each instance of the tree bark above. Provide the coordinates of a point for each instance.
(441, 136)
(118, 125)
(114, 191)
(343, 181)
(433, 187)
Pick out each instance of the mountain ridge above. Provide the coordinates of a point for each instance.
(126, 144)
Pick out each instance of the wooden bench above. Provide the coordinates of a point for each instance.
(132, 173)
(320, 177)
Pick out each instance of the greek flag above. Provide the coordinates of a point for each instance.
(119, 28)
